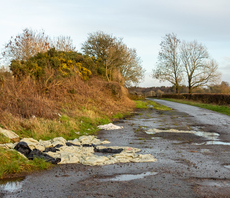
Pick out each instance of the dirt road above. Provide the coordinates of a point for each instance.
(195, 164)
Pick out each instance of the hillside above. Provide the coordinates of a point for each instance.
(60, 107)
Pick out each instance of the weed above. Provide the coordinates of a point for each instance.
(118, 116)
(141, 138)
(4, 139)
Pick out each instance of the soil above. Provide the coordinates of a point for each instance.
(185, 167)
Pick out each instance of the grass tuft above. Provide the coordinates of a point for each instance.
(12, 162)
(144, 104)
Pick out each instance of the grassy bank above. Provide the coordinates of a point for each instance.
(66, 107)
(220, 109)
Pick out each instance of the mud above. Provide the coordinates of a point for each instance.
(185, 167)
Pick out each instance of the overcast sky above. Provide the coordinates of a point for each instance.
(141, 24)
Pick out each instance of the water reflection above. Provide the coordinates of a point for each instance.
(128, 177)
(11, 185)
(208, 135)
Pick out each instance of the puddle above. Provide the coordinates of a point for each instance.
(207, 135)
(213, 143)
(205, 151)
(227, 166)
(129, 177)
(156, 138)
(11, 185)
(219, 184)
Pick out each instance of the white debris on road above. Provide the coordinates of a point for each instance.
(8, 133)
(109, 126)
(78, 153)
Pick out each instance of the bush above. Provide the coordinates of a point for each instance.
(64, 64)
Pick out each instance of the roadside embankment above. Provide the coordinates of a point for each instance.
(65, 107)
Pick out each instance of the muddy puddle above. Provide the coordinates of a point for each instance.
(11, 185)
(208, 135)
(227, 166)
(211, 137)
(128, 177)
(213, 143)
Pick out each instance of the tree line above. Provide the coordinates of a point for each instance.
(31, 53)
(181, 60)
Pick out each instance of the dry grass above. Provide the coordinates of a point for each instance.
(56, 107)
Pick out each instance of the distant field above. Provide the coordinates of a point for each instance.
(218, 108)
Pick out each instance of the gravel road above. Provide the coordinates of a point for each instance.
(188, 164)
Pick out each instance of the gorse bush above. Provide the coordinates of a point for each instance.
(64, 64)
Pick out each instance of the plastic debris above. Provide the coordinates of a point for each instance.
(109, 126)
(8, 133)
(82, 150)
(24, 149)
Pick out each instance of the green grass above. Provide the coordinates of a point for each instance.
(4, 139)
(12, 162)
(220, 109)
(145, 104)
(118, 116)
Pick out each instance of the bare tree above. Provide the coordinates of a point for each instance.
(30, 42)
(132, 70)
(115, 55)
(26, 45)
(63, 43)
(169, 65)
(200, 69)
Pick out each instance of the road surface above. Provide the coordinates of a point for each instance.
(194, 164)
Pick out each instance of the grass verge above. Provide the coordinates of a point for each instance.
(144, 104)
(220, 109)
(12, 163)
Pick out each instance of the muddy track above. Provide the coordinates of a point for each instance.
(188, 164)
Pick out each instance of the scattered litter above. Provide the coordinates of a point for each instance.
(8, 133)
(23, 148)
(82, 150)
(109, 126)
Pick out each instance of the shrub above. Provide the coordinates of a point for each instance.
(64, 64)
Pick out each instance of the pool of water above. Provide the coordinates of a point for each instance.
(213, 143)
(128, 177)
(208, 135)
(11, 185)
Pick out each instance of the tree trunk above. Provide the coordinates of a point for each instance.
(177, 89)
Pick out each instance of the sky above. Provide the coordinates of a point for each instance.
(141, 23)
